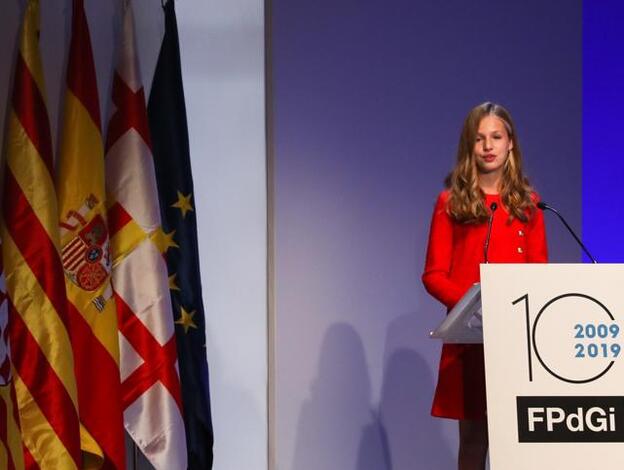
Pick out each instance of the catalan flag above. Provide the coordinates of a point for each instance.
(167, 118)
(86, 259)
(41, 349)
(150, 383)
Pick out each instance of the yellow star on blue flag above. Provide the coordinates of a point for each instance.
(183, 203)
(186, 319)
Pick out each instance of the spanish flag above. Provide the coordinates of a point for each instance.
(85, 256)
(41, 349)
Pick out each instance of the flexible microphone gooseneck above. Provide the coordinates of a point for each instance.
(545, 207)
(486, 246)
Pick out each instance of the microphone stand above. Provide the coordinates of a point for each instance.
(545, 207)
(486, 246)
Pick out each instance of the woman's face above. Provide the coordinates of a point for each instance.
(492, 145)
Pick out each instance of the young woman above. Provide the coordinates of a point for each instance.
(488, 170)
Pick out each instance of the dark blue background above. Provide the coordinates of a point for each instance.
(603, 129)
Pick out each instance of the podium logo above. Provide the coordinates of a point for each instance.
(570, 419)
(574, 337)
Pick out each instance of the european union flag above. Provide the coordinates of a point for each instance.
(168, 127)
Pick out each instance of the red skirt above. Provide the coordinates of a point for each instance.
(460, 393)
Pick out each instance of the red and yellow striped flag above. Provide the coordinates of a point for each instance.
(41, 349)
(86, 260)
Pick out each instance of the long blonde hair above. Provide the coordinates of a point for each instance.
(466, 202)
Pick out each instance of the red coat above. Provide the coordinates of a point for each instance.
(454, 254)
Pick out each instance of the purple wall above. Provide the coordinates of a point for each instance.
(368, 100)
(603, 101)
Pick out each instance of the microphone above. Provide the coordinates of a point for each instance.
(486, 246)
(545, 207)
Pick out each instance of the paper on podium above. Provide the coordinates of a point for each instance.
(464, 322)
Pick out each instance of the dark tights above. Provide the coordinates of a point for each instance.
(473, 444)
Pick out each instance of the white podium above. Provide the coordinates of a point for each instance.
(553, 341)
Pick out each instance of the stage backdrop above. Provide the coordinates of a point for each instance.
(368, 100)
(222, 49)
(603, 101)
